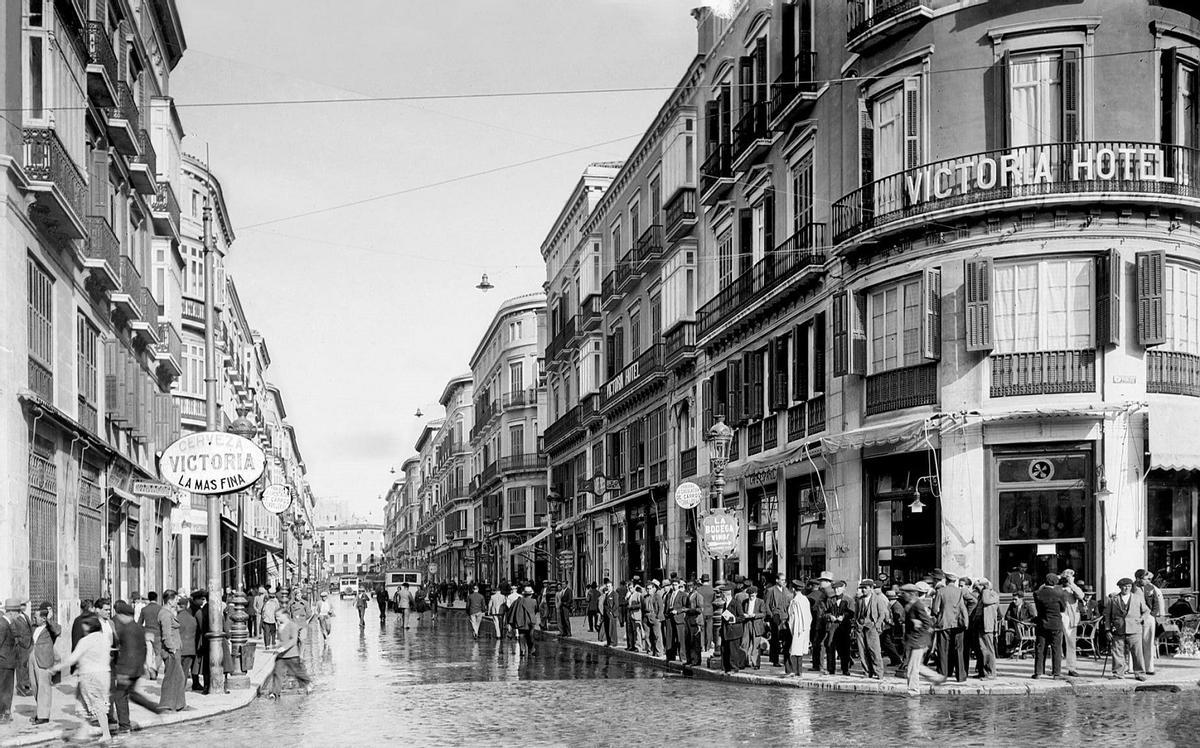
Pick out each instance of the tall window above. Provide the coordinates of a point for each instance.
(516, 439)
(758, 245)
(517, 513)
(635, 331)
(1044, 305)
(1044, 505)
(725, 259)
(1043, 97)
(635, 221)
(41, 331)
(801, 189)
(895, 333)
(516, 379)
(1171, 528)
(87, 340)
(618, 255)
(1181, 308)
(1179, 91)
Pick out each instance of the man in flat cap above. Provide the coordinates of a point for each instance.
(652, 618)
(871, 619)
(1125, 614)
(950, 626)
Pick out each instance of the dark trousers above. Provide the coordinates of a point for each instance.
(123, 691)
(952, 656)
(610, 629)
(654, 638)
(1051, 638)
(173, 685)
(8, 679)
(252, 625)
(670, 645)
(188, 664)
(780, 638)
(985, 654)
(528, 647)
(816, 640)
(593, 617)
(623, 614)
(706, 630)
(564, 621)
(887, 643)
(837, 647)
(793, 664)
(285, 665)
(22, 673)
(382, 610)
(268, 634)
(692, 639)
(733, 657)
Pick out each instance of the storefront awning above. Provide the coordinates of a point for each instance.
(1172, 425)
(912, 434)
(528, 545)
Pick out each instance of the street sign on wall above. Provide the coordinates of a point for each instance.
(212, 462)
(277, 498)
(153, 488)
(688, 495)
(719, 533)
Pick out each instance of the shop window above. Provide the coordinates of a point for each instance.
(903, 531)
(1044, 513)
(1171, 528)
(1044, 305)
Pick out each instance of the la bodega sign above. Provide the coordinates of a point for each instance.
(212, 462)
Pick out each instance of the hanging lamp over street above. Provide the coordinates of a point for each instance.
(484, 284)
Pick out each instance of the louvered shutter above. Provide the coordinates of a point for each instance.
(800, 362)
(745, 83)
(818, 356)
(841, 335)
(1108, 298)
(912, 122)
(98, 182)
(726, 120)
(772, 377)
(732, 389)
(856, 306)
(779, 392)
(610, 357)
(746, 401)
(761, 93)
(931, 330)
(1072, 119)
(1151, 322)
(866, 151)
(1004, 96)
(706, 404)
(712, 125)
(618, 349)
(769, 222)
(978, 286)
(758, 392)
(1168, 76)
(720, 393)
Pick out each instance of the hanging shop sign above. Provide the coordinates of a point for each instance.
(432, 569)
(719, 533)
(277, 498)
(212, 462)
(566, 560)
(153, 488)
(688, 495)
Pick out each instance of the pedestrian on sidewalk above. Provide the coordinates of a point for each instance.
(754, 620)
(838, 616)
(173, 697)
(799, 623)
(514, 594)
(147, 617)
(404, 604)
(91, 658)
(201, 662)
(565, 600)
(633, 615)
(41, 660)
(1125, 615)
(361, 602)
(871, 620)
(608, 614)
(652, 618)
(131, 659)
(622, 602)
(777, 599)
(187, 650)
(381, 599)
(257, 600)
(24, 633)
(1048, 626)
(497, 608)
(732, 629)
(9, 655)
(1143, 583)
(475, 609)
(950, 625)
(693, 615)
(981, 630)
(270, 606)
(918, 636)
(287, 658)
(592, 609)
(1073, 596)
(707, 594)
(523, 616)
(324, 613)
(674, 607)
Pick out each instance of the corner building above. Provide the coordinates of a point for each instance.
(952, 286)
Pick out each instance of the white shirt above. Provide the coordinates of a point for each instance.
(325, 608)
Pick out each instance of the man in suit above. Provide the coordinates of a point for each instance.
(652, 618)
(1051, 604)
(24, 633)
(1125, 615)
(732, 630)
(675, 604)
(837, 614)
(148, 618)
(1143, 584)
(608, 613)
(522, 616)
(693, 614)
(187, 643)
(172, 697)
(41, 659)
(202, 669)
(871, 618)
(622, 602)
(754, 620)
(10, 647)
(985, 620)
(949, 613)
(131, 658)
(817, 594)
(777, 599)
(707, 593)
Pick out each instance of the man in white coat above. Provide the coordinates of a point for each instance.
(799, 618)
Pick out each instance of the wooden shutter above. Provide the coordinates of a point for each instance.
(758, 392)
(745, 239)
(856, 307)
(866, 154)
(779, 365)
(769, 222)
(1108, 298)
(745, 83)
(706, 405)
(841, 335)
(98, 182)
(787, 42)
(746, 399)
(733, 386)
(712, 125)
(800, 362)
(978, 286)
(618, 349)
(912, 122)
(1168, 77)
(726, 114)
(1151, 313)
(772, 376)
(1004, 96)
(761, 93)
(1072, 120)
(931, 330)
(818, 355)
(720, 393)
(610, 356)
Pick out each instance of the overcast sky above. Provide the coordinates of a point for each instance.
(368, 310)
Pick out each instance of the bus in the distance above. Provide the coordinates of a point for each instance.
(393, 580)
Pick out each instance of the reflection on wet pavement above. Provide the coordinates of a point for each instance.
(434, 685)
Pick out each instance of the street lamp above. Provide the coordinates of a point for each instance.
(238, 633)
(720, 436)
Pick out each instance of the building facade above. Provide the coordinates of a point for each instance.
(352, 549)
(508, 490)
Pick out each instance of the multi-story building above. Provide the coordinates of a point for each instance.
(509, 488)
(448, 520)
(406, 529)
(354, 548)
(393, 518)
(89, 317)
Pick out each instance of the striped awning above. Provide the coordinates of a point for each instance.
(1173, 445)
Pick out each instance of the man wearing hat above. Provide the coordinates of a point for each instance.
(10, 646)
(918, 629)
(816, 603)
(652, 618)
(1143, 582)
(1125, 615)
(693, 615)
(799, 623)
(732, 629)
(950, 625)
(1048, 626)
(707, 593)
(871, 620)
(778, 599)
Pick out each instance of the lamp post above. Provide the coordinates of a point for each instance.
(720, 436)
(239, 634)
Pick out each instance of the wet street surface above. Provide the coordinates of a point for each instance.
(434, 685)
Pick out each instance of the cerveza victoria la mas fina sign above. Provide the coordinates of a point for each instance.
(212, 462)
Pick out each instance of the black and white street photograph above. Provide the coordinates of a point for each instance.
(600, 373)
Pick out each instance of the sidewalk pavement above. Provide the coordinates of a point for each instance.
(1012, 675)
(66, 714)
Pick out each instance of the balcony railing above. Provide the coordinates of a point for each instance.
(101, 55)
(165, 208)
(687, 463)
(716, 168)
(794, 86)
(131, 288)
(680, 343)
(89, 418)
(41, 380)
(563, 427)
(816, 415)
(865, 15)
(1114, 170)
(648, 250)
(560, 342)
(103, 251)
(754, 438)
(589, 314)
(521, 463)
(795, 422)
(144, 165)
(909, 387)
(126, 107)
(170, 344)
(804, 249)
(1043, 373)
(46, 160)
(520, 398)
(770, 432)
(150, 307)
(679, 214)
(646, 366)
(1173, 373)
(751, 128)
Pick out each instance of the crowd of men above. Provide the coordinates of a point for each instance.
(114, 645)
(954, 624)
